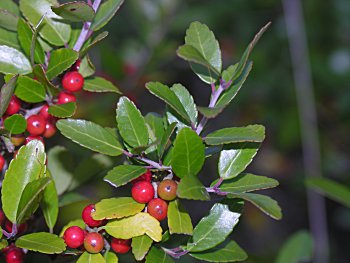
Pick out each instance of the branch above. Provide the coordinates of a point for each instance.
(153, 164)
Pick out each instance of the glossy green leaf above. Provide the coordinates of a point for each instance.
(63, 110)
(78, 11)
(133, 226)
(155, 125)
(247, 183)
(158, 255)
(30, 90)
(10, 5)
(210, 113)
(8, 20)
(40, 75)
(87, 257)
(49, 203)
(9, 38)
(116, 208)
(187, 101)
(15, 124)
(25, 168)
(91, 136)
(233, 162)
(42, 242)
(191, 188)
(298, 248)
(6, 93)
(179, 221)
(93, 43)
(333, 190)
(77, 222)
(122, 174)
(86, 67)
(228, 251)
(251, 133)
(98, 84)
(111, 257)
(60, 60)
(3, 242)
(213, 229)
(188, 154)
(140, 246)
(52, 29)
(169, 97)
(131, 124)
(105, 13)
(13, 61)
(263, 202)
(30, 198)
(165, 141)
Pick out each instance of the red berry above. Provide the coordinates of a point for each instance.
(158, 208)
(14, 255)
(142, 192)
(74, 236)
(2, 218)
(14, 105)
(20, 228)
(36, 124)
(120, 246)
(31, 138)
(2, 162)
(86, 215)
(44, 112)
(65, 97)
(50, 129)
(167, 189)
(93, 242)
(73, 81)
(147, 176)
(76, 66)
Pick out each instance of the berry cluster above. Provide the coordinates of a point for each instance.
(90, 238)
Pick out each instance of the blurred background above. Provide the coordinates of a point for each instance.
(141, 47)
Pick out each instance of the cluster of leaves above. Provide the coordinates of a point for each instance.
(170, 146)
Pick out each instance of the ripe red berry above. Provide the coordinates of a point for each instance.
(2, 218)
(93, 242)
(86, 215)
(158, 208)
(36, 124)
(74, 236)
(76, 66)
(31, 137)
(14, 105)
(2, 162)
(120, 246)
(44, 112)
(147, 176)
(142, 192)
(65, 97)
(167, 190)
(14, 255)
(50, 129)
(20, 228)
(73, 81)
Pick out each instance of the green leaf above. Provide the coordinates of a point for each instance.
(86, 67)
(251, 133)
(233, 162)
(93, 43)
(213, 229)
(25, 35)
(30, 90)
(111, 257)
(40, 75)
(60, 166)
(60, 60)
(42, 242)
(179, 221)
(116, 208)
(13, 61)
(98, 84)
(131, 124)
(187, 101)
(188, 154)
(30, 198)
(25, 168)
(3, 242)
(70, 198)
(228, 251)
(77, 222)
(87, 257)
(6, 93)
(210, 113)
(8, 20)
(105, 13)
(10, 6)
(333, 190)
(78, 11)
(158, 255)
(165, 141)
(155, 125)
(15, 124)
(191, 188)
(91, 136)
(52, 27)
(49, 204)
(298, 248)
(263, 202)
(122, 174)
(140, 246)
(63, 110)
(136, 225)
(246, 183)
(8, 38)
(202, 48)
(169, 97)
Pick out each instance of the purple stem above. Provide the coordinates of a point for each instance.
(148, 161)
(175, 252)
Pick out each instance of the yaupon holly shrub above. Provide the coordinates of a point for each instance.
(44, 56)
